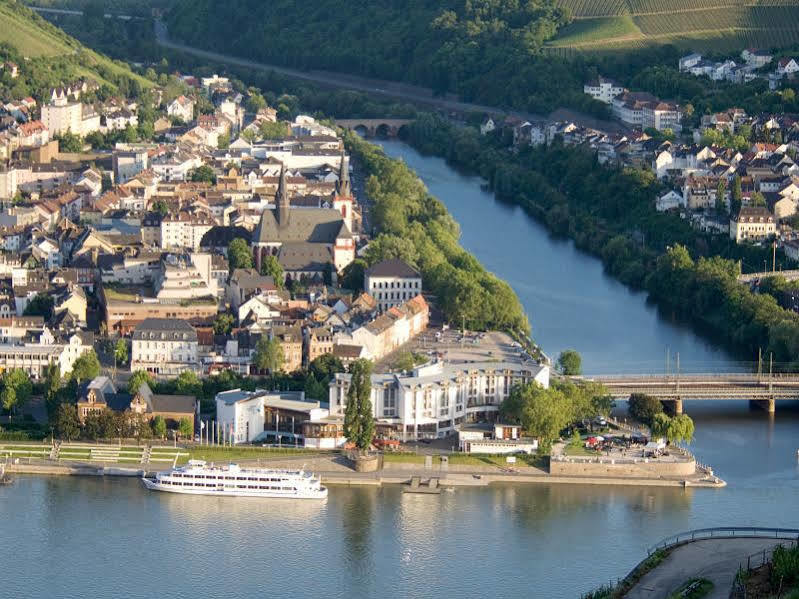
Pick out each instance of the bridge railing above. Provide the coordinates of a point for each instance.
(725, 532)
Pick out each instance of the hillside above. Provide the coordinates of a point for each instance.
(49, 57)
(706, 25)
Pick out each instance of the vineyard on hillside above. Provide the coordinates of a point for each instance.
(709, 25)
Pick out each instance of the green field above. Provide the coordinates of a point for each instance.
(709, 25)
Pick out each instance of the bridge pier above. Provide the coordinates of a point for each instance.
(672, 406)
(765, 404)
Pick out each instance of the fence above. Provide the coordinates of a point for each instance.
(725, 532)
(753, 562)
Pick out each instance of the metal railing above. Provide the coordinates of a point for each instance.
(753, 562)
(724, 532)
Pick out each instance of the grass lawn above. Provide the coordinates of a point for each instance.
(30, 39)
(406, 458)
(699, 587)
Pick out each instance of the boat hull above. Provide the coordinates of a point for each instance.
(155, 486)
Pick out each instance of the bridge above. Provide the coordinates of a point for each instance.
(374, 127)
(762, 389)
(790, 275)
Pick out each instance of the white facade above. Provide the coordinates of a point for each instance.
(392, 283)
(73, 117)
(164, 346)
(435, 399)
(603, 89)
(34, 358)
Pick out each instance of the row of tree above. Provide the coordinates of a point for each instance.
(417, 228)
(610, 212)
(649, 410)
(110, 424)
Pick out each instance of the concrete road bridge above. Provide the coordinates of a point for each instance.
(374, 127)
(762, 389)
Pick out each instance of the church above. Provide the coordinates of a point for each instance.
(308, 241)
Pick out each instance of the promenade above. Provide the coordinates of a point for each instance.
(716, 560)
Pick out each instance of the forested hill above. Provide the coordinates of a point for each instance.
(486, 51)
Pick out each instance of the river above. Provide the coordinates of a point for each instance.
(100, 537)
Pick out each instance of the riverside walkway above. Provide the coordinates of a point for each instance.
(715, 559)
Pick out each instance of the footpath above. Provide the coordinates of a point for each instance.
(716, 560)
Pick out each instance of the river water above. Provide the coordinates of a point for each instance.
(94, 537)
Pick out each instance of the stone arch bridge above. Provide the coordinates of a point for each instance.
(374, 127)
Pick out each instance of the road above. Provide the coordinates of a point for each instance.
(390, 89)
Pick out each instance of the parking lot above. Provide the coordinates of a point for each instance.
(457, 348)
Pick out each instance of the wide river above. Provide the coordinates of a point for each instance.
(86, 537)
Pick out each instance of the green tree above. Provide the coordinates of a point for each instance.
(644, 408)
(325, 366)
(268, 355)
(188, 383)
(271, 267)
(185, 429)
(239, 254)
(161, 207)
(758, 199)
(314, 389)
(121, 352)
(52, 385)
(542, 412)
(270, 130)
(40, 305)
(69, 142)
(203, 174)
(159, 427)
(223, 142)
(570, 363)
(92, 427)
(681, 429)
(223, 323)
(352, 275)
(66, 425)
(8, 397)
(736, 197)
(137, 378)
(359, 422)
(721, 191)
(660, 425)
(86, 367)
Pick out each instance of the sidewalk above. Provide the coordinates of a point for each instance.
(714, 559)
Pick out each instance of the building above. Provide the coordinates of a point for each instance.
(392, 283)
(686, 63)
(496, 438)
(252, 416)
(436, 399)
(603, 89)
(80, 119)
(35, 357)
(181, 108)
(304, 232)
(164, 346)
(290, 339)
(129, 163)
(184, 230)
(753, 223)
(661, 116)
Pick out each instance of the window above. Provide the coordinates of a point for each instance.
(389, 402)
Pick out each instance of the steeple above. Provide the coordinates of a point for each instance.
(282, 198)
(343, 187)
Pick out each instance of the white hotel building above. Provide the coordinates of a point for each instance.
(435, 399)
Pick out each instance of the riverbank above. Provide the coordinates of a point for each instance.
(334, 471)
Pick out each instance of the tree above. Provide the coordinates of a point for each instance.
(542, 412)
(66, 425)
(758, 199)
(736, 198)
(314, 389)
(352, 275)
(161, 207)
(137, 378)
(52, 385)
(17, 389)
(268, 355)
(159, 427)
(239, 254)
(121, 352)
(223, 141)
(185, 429)
(644, 407)
(188, 383)
(40, 305)
(660, 425)
(271, 267)
(86, 367)
(8, 397)
(570, 363)
(92, 427)
(325, 366)
(270, 130)
(203, 174)
(69, 142)
(359, 422)
(223, 323)
(681, 429)
(721, 191)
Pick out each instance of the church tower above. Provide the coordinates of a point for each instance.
(282, 202)
(342, 198)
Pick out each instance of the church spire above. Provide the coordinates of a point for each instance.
(282, 197)
(343, 187)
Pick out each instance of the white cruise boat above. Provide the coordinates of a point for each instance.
(197, 478)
